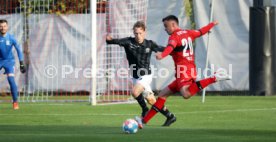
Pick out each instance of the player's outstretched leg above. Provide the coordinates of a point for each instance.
(170, 118)
(199, 85)
(159, 107)
(14, 93)
(164, 111)
(221, 76)
(154, 109)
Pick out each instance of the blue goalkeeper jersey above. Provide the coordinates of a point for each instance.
(7, 42)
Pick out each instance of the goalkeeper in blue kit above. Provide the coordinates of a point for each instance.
(7, 62)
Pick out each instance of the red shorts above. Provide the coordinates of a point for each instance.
(184, 77)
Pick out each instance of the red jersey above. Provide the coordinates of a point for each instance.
(180, 45)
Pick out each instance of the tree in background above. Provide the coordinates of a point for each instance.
(55, 6)
(190, 12)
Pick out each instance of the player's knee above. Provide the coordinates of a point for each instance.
(10, 74)
(151, 100)
(186, 94)
(135, 93)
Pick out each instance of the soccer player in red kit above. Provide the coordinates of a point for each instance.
(180, 47)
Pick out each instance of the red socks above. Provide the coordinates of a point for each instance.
(194, 88)
(199, 85)
(155, 108)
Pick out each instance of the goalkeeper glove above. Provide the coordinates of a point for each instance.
(22, 67)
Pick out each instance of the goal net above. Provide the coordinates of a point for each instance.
(55, 36)
(57, 49)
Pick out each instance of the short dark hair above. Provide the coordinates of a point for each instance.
(140, 24)
(3, 21)
(171, 17)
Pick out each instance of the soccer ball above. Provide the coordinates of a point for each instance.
(130, 126)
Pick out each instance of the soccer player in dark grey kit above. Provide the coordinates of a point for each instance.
(138, 52)
(7, 42)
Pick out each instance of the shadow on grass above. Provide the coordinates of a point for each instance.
(56, 133)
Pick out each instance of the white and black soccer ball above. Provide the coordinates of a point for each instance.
(130, 126)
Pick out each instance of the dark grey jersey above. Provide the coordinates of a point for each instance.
(138, 55)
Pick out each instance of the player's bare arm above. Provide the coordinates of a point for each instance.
(165, 53)
(216, 22)
(158, 55)
(108, 38)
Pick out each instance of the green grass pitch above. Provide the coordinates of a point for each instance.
(220, 119)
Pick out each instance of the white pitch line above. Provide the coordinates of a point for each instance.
(47, 135)
(230, 110)
(116, 114)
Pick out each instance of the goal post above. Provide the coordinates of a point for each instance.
(65, 52)
(93, 7)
